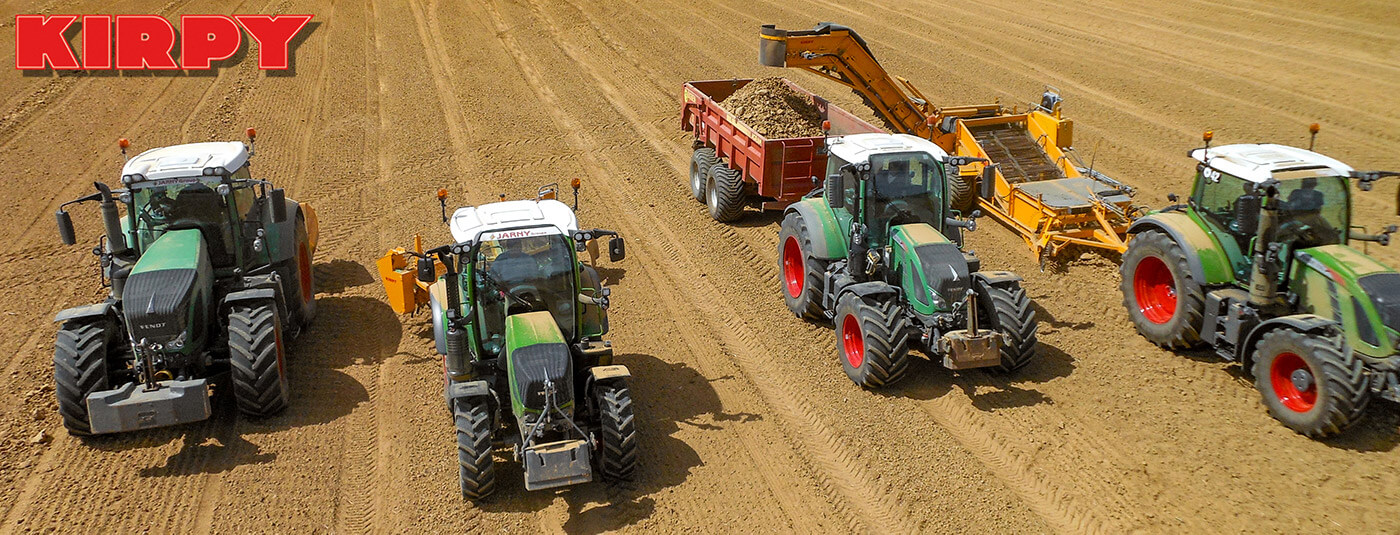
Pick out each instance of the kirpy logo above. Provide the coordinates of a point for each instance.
(146, 42)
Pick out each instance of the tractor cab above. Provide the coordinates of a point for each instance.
(883, 181)
(1312, 192)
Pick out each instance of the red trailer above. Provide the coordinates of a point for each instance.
(734, 166)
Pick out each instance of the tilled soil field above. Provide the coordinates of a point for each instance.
(746, 420)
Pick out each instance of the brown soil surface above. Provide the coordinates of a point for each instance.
(747, 421)
(772, 108)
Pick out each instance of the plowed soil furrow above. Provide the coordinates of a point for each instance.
(747, 421)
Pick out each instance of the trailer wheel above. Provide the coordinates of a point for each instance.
(1011, 314)
(617, 441)
(802, 273)
(960, 195)
(725, 193)
(80, 368)
(1163, 299)
(872, 340)
(257, 358)
(1312, 384)
(700, 163)
(475, 456)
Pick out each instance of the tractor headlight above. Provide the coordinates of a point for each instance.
(177, 344)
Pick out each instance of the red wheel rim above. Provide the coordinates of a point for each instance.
(852, 342)
(304, 265)
(794, 275)
(1281, 375)
(1155, 290)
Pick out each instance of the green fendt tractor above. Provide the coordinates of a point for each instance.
(209, 272)
(519, 320)
(1257, 264)
(877, 250)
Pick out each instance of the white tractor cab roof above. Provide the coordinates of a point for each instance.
(492, 221)
(857, 148)
(1258, 162)
(184, 161)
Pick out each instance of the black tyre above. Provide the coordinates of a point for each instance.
(801, 281)
(1313, 384)
(700, 163)
(960, 195)
(299, 281)
(617, 429)
(872, 340)
(80, 368)
(1010, 313)
(1164, 300)
(725, 193)
(257, 358)
(475, 456)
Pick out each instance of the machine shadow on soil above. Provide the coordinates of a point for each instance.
(667, 462)
(928, 381)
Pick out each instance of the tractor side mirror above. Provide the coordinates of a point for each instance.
(427, 273)
(834, 190)
(617, 249)
(65, 227)
(1172, 198)
(1247, 214)
(277, 198)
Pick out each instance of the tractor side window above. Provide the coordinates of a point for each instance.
(244, 198)
(1217, 195)
(1313, 210)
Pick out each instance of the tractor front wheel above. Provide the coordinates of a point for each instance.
(1011, 315)
(1313, 384)
(477, 465)
(802, 273)
(725, 193)
(872, 340)
(700, 163)
(1164, 301)
(617, 442)
(80, 368)
(257, 357)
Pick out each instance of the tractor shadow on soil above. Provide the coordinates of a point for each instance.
(347, 331)
(989, 391)
(339, 275)
(669, 397)
(755, 219)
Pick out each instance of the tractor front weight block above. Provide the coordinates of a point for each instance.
(963, 350)
(132, 407)
(557, 464)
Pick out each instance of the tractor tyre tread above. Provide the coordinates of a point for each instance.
(960, 196)
(79, 369)
(475, 452)
(1183, 331)
(1014, 317)
(886, 337)
(1344, 389)
(618, 441)
(809, 305)
(256, 359)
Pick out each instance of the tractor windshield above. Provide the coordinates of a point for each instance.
(1312, 210)
(524, 274)
(183, 204)
(907, 187)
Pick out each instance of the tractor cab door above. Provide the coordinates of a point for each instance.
(1229, 207)
(848, 193)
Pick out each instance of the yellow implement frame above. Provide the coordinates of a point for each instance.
(1032, 183)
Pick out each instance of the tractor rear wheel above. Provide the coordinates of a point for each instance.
(257, 358)
(617, 441)
(475, 456)
(1011, 315)
(802, 273)
(960, 196)
(872, 340)
(700, 163)
(1163, 298)
(1313, 384)
(725, 193)
(80, 368)
(299, 281)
